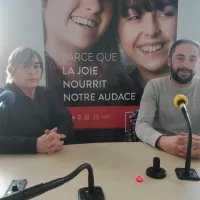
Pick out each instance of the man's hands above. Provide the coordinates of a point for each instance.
(177, 145)
(50, 142)
(195, 153)
(170, 144)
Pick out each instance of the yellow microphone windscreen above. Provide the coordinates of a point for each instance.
(178, 98)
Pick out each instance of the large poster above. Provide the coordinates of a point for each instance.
(100, 55)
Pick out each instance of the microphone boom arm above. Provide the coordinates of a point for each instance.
(93, 192)
(187, 173)
(189, 149)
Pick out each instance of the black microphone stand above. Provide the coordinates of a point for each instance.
(187, 173)
(89, 193)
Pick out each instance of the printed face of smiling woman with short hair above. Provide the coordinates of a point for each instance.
(79, 24)
(147, 29)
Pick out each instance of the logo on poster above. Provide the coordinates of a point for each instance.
(87, 117)
(96, 117)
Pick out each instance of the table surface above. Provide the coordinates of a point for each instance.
(115, 165)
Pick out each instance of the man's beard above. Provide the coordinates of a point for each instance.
(180, 80)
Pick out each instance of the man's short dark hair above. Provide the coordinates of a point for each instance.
(183, 41)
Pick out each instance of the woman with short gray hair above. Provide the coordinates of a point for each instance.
(36, 122)
(21, 56)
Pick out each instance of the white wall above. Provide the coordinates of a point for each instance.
(189, 21)
(20, 25)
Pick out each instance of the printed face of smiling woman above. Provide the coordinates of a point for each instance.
(147, 29)
(79, 24)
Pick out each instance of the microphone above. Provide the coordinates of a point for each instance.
(7, 98)
(89, 193)
(156, 171)
(187, 173)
